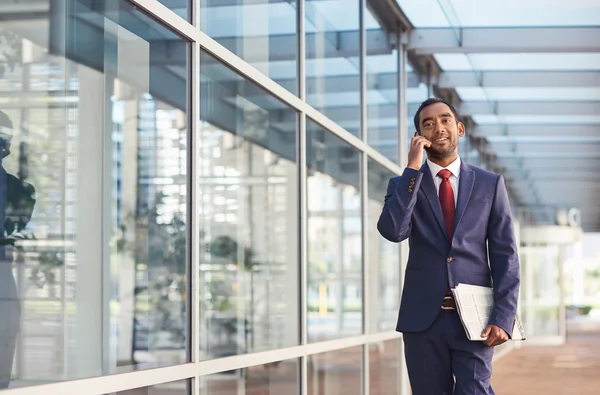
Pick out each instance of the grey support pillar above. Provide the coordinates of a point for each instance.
(403, 140)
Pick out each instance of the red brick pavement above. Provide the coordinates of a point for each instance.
(570, 369)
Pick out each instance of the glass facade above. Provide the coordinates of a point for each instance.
(280, 377)
(334, 293)
(333, 60)
(94, 182)
(263, 33)
(173, 211)
(335, 372)
(248, 176)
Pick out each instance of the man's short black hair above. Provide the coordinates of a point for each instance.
(429, 102)
(5, 120)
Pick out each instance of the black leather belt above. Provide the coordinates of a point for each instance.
(448, 303)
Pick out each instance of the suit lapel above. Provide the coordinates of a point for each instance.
(428, 187)
(465, 187)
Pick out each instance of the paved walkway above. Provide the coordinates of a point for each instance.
(571, 369)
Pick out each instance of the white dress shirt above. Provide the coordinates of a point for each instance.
(454, 168)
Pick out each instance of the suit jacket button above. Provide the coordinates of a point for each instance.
(449, 260)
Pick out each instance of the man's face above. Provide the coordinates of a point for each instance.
(438, 125)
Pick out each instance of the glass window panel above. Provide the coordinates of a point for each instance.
(334, 236)
(180, 7)
(384, 257)
(274, 378)
(263, 33)
(249, 216)
(384, 367)
(333, 60)
(382, 95)
(434, 17)
(93, 192)
(183, 387)
(336, 372)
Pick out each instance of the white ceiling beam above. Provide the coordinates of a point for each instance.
(519, 79)
(550, 149)
(529, 108)
(592, 154)
(505, 40)
(541, 163)
(569, 139)
(538, 130)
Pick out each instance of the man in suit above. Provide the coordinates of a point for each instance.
(458, 221)
(17, 200)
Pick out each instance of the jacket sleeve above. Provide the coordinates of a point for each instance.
(395, 220)
(504, 261)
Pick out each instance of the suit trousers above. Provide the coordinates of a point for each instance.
(441, 360)
(7, 352)
(10, 319)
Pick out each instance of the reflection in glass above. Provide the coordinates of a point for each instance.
(384, 257)
(274, 378)
(93, 193)
(333, 60)
(334, 236)
(336, 372)
(263, 33)
(384, 367)
(183, 387)
(382, 92)
(180, 7)
(248, 217)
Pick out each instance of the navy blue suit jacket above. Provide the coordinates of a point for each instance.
(482, 251)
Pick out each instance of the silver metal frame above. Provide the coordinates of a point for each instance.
(197, 368)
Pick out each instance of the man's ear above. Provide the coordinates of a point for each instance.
(461, 129)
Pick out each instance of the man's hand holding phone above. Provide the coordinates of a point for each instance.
(415, 155)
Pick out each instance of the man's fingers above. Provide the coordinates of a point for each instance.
(495, 338)
(421, 142)
(490, 340)
(486, 331)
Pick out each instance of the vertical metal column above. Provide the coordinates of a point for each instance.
(194, 199)
(402, 160)
(302, 196)
(364, 159)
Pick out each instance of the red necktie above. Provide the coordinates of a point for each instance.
(447, 201)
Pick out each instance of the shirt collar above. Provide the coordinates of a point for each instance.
(454, 167)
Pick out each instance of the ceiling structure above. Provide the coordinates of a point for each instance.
(525, 76)
(526, 80)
